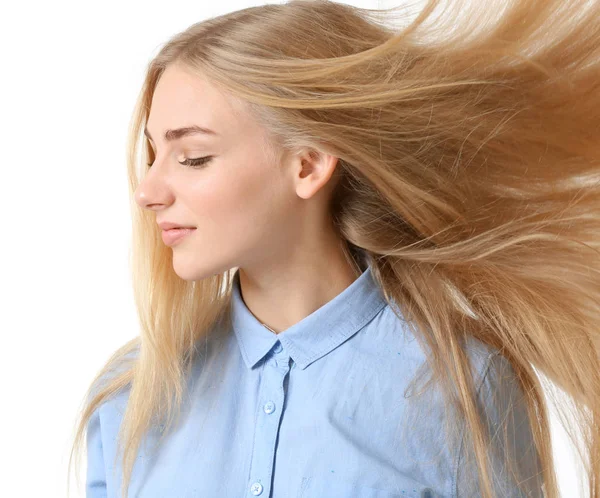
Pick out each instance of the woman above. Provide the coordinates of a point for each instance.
(385, 235)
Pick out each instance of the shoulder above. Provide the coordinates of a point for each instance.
(120, 362)
(502, 407)
(427, 432)
(390, 331)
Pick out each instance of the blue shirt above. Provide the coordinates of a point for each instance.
(316, 411)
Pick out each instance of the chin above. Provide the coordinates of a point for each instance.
(192, 274)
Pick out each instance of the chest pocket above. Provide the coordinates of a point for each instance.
(335, 487)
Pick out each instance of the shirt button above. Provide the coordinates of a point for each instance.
(256, 488)
(427, 493)
(269, 407)
(278, 348)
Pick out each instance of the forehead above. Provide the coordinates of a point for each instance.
(182, 98)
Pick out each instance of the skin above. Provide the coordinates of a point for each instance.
(250, 211)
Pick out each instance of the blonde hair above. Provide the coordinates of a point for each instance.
(469, 164)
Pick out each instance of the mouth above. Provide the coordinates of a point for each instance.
(173, 235)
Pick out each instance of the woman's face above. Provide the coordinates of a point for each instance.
(242, 204)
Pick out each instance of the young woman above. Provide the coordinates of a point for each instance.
(360, 253)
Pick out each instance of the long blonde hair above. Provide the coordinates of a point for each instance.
(468, 146)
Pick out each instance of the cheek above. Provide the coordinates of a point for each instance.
(240, 205)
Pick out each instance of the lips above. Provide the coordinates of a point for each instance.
(167, 225)
(174, 235)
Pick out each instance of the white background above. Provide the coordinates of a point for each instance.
(70, 74)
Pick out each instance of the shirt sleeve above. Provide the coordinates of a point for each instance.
(500, 400)
(95, 479)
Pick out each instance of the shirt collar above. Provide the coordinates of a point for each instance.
(315, 335)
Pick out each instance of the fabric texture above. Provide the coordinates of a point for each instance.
(320, 410)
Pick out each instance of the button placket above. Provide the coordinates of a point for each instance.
(268, 419)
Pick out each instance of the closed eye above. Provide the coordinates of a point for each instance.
(194, 162)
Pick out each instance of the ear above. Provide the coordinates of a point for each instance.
(312, 171)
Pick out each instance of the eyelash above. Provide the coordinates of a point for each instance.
(194, 162)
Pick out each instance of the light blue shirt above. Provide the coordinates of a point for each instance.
(316, 411)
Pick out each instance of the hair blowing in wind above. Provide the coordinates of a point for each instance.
(468, 146)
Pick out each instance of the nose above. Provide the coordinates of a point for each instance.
(141, 198)
(152, 191)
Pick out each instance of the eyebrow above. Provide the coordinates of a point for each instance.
(177, 133)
